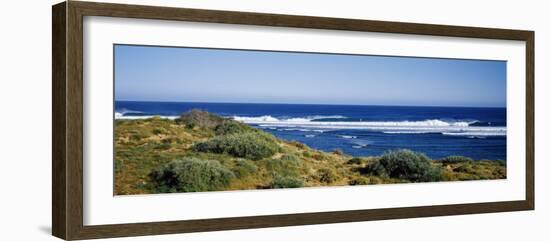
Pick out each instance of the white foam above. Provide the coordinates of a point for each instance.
(267, 119)
(472, 133)
(270, 119)
(120, 116)
(298, 129)
(406, 132)
(321, 117)
(459, 128)
(462, 128)
(320, 131)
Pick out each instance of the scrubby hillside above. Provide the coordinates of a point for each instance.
(203, 152)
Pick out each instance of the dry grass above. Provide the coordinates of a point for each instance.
(142, 146)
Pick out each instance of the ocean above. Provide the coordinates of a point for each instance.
(478, 133)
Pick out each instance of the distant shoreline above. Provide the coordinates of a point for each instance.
(317, 104)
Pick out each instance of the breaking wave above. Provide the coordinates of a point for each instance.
(445, 127)
(268, 118)
(136, 115)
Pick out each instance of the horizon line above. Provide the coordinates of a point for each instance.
(263, 103)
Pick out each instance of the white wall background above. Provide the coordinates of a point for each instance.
(25, 121)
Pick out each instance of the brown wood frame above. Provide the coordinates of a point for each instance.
(67, 123)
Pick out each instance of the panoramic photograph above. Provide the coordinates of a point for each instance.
(201, 119)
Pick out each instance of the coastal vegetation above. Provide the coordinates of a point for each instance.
(200, 151)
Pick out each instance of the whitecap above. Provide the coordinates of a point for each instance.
(118, 116)
(389, 127)
(406, 132)
(476, 133)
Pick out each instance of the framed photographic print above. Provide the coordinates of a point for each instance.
(171, 120)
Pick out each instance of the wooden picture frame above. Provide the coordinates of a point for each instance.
(67, 124)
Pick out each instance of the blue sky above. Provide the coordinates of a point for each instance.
(147, 73)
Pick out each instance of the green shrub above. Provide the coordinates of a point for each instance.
(466, 168)
(338, 151)
(326, 175)
(375, 180)
(359, 181)
(406, 164)
(455, 159)
(287, 165)
(231, 127)
(286, 182)
(162, 146)
(191, 175)
(298, 144)
(170, 140)
(140, 185)
(157, 131)
(318, 156)
(137, 137)
(244, 168)
(118, 165)
(499, 173)
(290, 158)
(366, 181)
(252, 145)
(355, 161)
(199, 118)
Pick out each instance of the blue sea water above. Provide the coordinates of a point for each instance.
(479, 133)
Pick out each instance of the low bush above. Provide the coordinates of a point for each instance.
(406, 164)
(298, 144)
(199, 118)
(370, 180)
(251, 145)
(501, 163)
(244, 168)
(171, 140)
(466, 168)
(327, 175)
(286, 182)
(455, 159)
(137, 137)
(375, 180)
(338, 151)
(359, 181)
(356, 161)
(157, 131)
(191, 175)
(289, 158)
(231, 127)
(499, 173)
(319, 156)
(162, 146)
(287, 165)
(118, 165)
